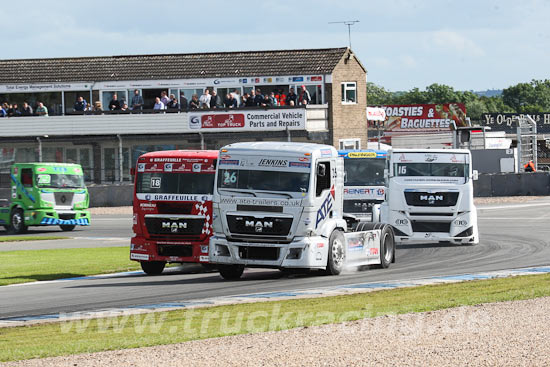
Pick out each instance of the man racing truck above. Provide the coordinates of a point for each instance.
(45, 194)
(280, 205)
(429, 197)
(172, 208)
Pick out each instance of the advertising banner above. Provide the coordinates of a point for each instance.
(508, 121)
(252, 120)
(423, 119)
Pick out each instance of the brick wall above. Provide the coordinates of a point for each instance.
(348, 120)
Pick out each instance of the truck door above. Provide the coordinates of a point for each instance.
(26, 180)
(323, 197)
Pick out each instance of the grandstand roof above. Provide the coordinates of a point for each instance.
(171, 66)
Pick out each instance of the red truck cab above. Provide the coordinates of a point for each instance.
(172, 220)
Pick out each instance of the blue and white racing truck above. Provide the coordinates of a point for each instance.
(364, 184)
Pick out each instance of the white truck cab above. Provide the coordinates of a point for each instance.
(280, 205)
(429, 196)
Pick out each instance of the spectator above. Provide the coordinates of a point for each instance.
(173, 103)
(97, 107)
(164, 97)
(194, 104)
(250, 98)
(259, 98)
(3, 112)
(114, 105)
(184, 104)
(304, 97)
(274, 100)
(267, 102)
(124, 108)
(204, 100)
(281, 98)
(27, 109)
(158, 105)
(237, 97)
(13, 111)
(41, 110)
(291, 97)
(230, 101)
(215, 100)
(291, 104)
(137, 101)
(80, 104)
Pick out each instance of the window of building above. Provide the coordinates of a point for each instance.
(349, 93)
(349, 144)
(107, 96)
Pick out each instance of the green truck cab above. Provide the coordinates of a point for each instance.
(45, 194)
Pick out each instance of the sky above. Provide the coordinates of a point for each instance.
(468, 44)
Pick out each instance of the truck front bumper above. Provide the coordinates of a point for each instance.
(302, 253)
(142, 249)
(51, 217)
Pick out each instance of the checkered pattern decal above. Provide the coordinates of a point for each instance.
(204, 208)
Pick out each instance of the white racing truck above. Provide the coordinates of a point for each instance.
(280, 205)
(429, 196)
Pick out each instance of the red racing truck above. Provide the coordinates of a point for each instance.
(172, 220)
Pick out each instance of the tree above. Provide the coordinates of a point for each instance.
(377, 96)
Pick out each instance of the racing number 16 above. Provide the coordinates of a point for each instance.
(402, 170)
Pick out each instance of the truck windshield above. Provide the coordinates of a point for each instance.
(175, 183)
(263, 180)
(364, 171)
(432, 169)
(60, 181)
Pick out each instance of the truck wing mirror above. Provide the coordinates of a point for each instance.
(345, 176)
(132, 171)
(475, 175)
(386, 172)
(321, 170)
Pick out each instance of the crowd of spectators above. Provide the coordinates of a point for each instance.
(170, 103)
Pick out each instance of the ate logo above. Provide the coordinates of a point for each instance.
(325, 208)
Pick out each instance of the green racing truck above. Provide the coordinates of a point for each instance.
(45, 194)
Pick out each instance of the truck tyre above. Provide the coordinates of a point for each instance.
(17, 221)
(336, 253)
(67, 227)
(231, 272)
(153, 267)
(387, 247)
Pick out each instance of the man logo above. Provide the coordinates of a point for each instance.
(174, 226)
(431, 199)
(258, 225)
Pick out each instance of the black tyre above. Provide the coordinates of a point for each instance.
(336, 253)
(387, 247)
(231, 272)
(67, 227)
(153, 267)
(17, 222)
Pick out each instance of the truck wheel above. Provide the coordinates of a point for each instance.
(17, 225)
(231, 272)
(153, 267)
(336, 253)
(67, 227)
(387, 247)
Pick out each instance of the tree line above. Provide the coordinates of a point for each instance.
(529, 97)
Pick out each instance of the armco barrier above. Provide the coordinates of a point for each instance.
(111, 195)
(512, 184)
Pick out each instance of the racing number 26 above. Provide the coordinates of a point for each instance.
(229, 177)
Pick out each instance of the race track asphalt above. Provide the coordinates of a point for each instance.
(512, 236)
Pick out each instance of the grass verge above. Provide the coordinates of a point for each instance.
(32, 265)
(31, 238)
(131, 331)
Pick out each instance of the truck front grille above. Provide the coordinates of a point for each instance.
(435, 199)
(431, 226)
(175, 226)
(249, 225)
(63, 199)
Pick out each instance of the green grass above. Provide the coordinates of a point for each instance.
(122, 332)
(31, 265)
(31, 238)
